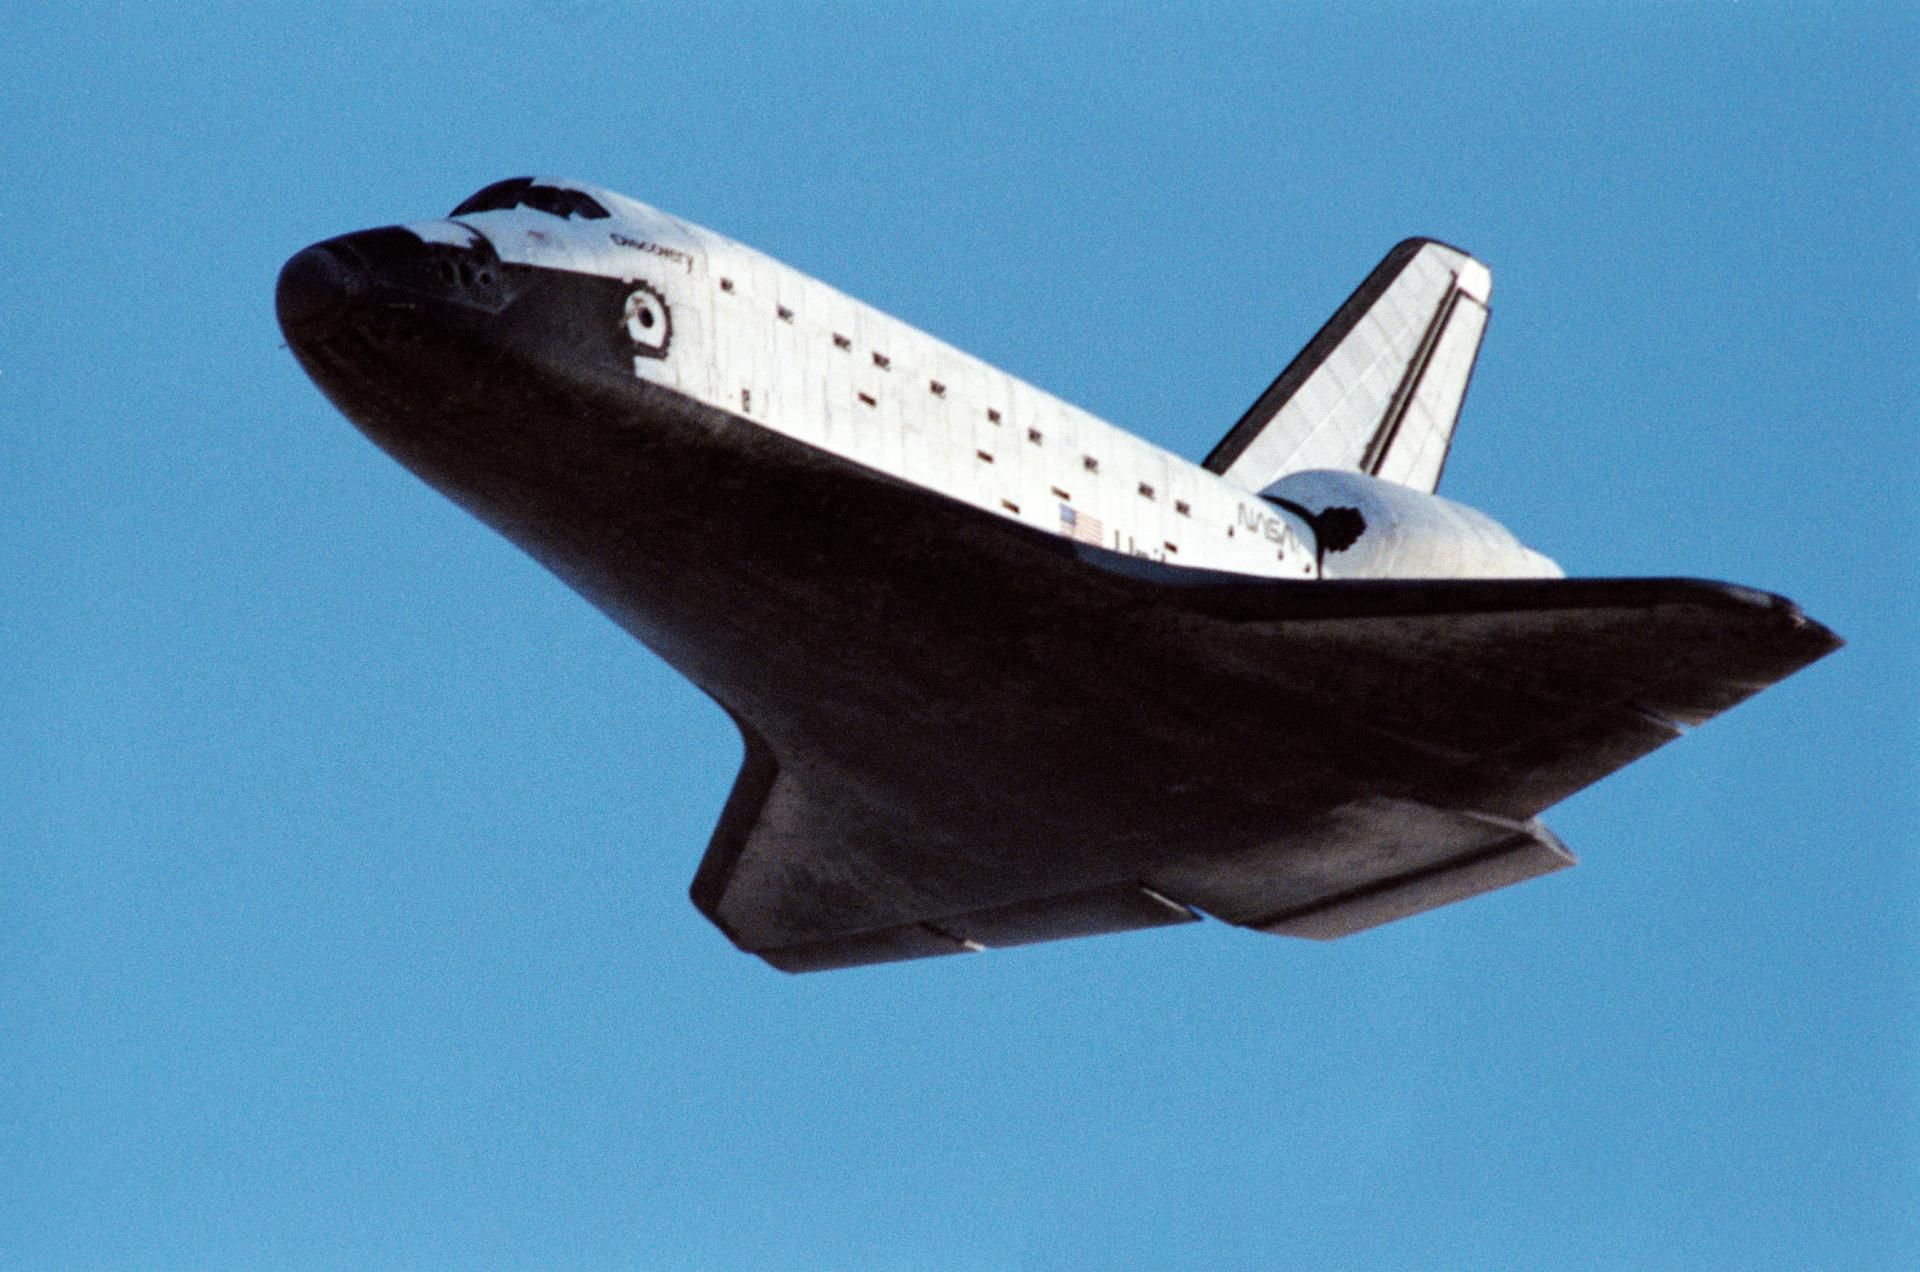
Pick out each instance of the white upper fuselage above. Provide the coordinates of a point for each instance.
(762, 341)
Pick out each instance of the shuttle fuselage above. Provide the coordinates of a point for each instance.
(1004, 671)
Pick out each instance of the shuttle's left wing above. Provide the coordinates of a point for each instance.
(806, 873)
(1436, 717)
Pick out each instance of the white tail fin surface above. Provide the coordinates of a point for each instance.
(1378, 389)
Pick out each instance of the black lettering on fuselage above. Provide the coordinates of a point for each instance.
(673, 254)
(1274, 529)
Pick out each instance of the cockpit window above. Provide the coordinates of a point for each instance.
(521, 192)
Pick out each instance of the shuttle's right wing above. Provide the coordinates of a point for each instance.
(1379, 388)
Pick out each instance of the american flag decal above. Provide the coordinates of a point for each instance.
(1079, 526)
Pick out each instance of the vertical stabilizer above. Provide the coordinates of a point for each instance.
(1379, 388)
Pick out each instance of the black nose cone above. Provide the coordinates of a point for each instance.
(317, 287)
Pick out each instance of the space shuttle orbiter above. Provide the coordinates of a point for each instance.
(1006, 673)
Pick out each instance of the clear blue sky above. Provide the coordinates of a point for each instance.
(344, 853)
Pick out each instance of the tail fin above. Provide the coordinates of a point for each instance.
(1378, 389)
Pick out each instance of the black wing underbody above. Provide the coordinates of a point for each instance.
(1385, 748)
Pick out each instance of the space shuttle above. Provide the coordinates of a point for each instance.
(1004, 672)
